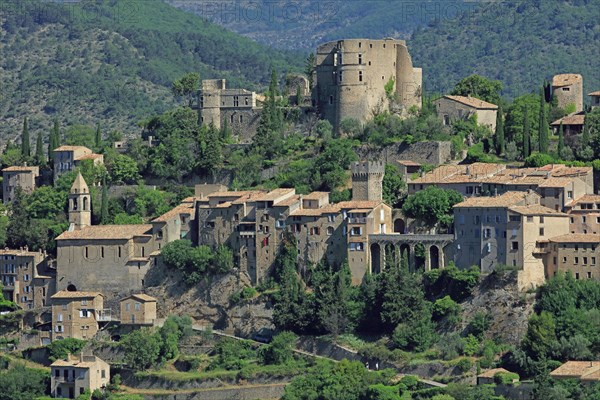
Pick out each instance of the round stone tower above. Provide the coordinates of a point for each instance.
(367, 180)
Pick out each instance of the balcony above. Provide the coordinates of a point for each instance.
(104, 315)
(362, 220)
(62, 379)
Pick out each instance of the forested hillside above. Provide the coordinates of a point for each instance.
(518, 43)
(113, 62)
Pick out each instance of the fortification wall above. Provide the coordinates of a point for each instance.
(434, 153)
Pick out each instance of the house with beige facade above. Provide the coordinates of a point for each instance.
(457, 108)
(138, 309)
(72, 376)
(13, 177)
(27, 277)
(112, 259)
(576, 253)
(77, 314)
(506, 230)
(584, 213)
(67, 158)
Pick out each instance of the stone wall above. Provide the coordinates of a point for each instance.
(434, 153)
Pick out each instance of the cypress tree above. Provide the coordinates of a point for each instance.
(561, 140)
(39, 150)
(104, 205)
(499, 132)
(543, 136)
(585, 136)
(98, 138)
(53, 140)
(25, 145)
(526, 135)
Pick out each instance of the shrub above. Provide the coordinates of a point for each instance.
(445, 307)
(505, 378)
(59, 349)
(375, 351)
(279, 351)
(248, 293)
(471, 346)
(458, 284)
(464, 365)
(479, 324)
(410, 381)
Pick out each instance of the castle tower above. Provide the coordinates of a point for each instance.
(568, 89)
(80, 205)
(367, 180)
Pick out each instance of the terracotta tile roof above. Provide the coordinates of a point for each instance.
(249, 198)
(573, 119)
(473, 102)
(72, 148)
(16, 168)
(226, 204)
(576, 369)
(231, 193)
(594, 93)
(315, 195)
(504, 200)
(314, 212)
(460, 173)
(358, 204)
(186, 209)
(562, 170)
(190, 199)
(288, 202)
(19, 252)
(556, 182)
(275, 194)
(536, 209)
(565, 79)
(140, 296)
(76, 362)
(408, 163)
(592, 376)
(361, 210)
(576, 238)
(64, 294)
(490, 373)
(586, 198)
(107, 232)
(92, 156)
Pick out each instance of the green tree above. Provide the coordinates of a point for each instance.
(480, 87)
(432, 206)
(80, 135)
(223, 259)
(268, 138)
(279, 351)
(98, 138)
(543, 135)
(25, 141)
(526, 135)
(592, 128)
(169, 335)
(331, 165)
(309, 68)
(22, 230)
(186, 87)
(142, 348)
(104, 217)
(540, 336)
(39, 150)
(499, 134)
(561, 141)
(210, 149)
(122, 170)
(60, 349)
(53, 140)
(22, 383)
(393, 186)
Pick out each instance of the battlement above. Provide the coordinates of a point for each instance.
(368, 167)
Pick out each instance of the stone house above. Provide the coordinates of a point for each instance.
(77, 314)
(71, 377)
(351, 78)
(239, 108)
(27, 277)
(576, 253)
(138, 309)
(584, 214)
(572, 125)
(454, 108)
(568, 89)
(177, 223)
(584, 371)
(505, 230)
(595, 99)
(112, 259)
(14, 177)
(67, 158)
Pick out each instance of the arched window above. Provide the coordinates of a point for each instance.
(85, 204)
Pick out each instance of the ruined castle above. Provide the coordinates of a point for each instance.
(357, 78)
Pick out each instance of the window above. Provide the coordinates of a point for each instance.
(356, 231)
(137, 306)
(26, 277)
(461, 219)
(59, 318)
(84, 313)
(514, 246)
(487, 233)
(541, 219)
(564, 260)
(541, 231)
(57, 373)
(529, 218)
(569, 194)
(566, 89)
(585, 260)
(340, 75)
(103, 374)
(583, 219)
(469, 189)
(59, 328)
(515, 218)
(127, 306)
(357, 246)
(514, 232)
(576, 260)
(102, 252)
(489, 247)
(331, 218)
(360, 76)
(330, 100)
(84, 302)
(593, 260)
(446, 119)
(576, 275)
(589, 275)
(359, 57)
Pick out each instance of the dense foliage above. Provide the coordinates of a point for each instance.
(22, 383)
(194, 262)
(59, 349)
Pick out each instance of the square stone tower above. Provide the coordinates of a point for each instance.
(367, 180)
(568, 89)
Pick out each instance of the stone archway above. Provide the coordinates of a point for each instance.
(375, 259)
(71, 288)
(399, 226)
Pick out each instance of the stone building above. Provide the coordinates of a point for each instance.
(455, 108)
(112, 259)
(505, 230)
(367, 179)
(77, 314)
(576, 253)
(239, 108)
(595, 99)
(557, 184)
(14, 177)
(351, 79)
(568, 89)
(177, 223)
(587, 372)
(72, 376)
(138, 309)
(572, 125)
(584, 214)
(67, 158)
(27, 277)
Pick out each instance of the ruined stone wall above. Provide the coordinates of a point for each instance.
(434, 153)
(243, 122)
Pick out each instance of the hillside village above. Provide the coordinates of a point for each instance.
(483, 206)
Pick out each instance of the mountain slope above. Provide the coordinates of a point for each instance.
(113, 61)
